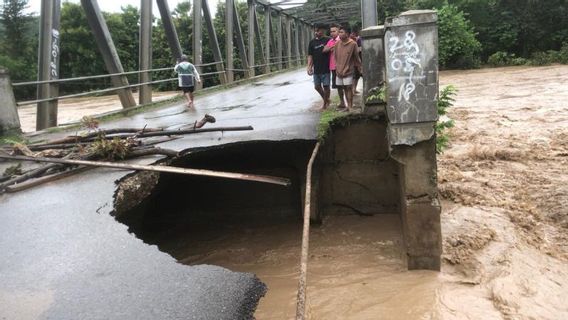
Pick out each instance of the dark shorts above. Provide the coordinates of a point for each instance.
(321, 79)
(333, 77)
(187, 89)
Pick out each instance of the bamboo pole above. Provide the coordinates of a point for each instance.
(159, 168)
(302, 282)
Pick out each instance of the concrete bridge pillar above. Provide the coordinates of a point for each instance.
(411, 56)
(373, 52)
(9, 120)
(402, 57)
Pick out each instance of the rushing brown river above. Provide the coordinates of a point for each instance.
(503, 183)
(356, 268)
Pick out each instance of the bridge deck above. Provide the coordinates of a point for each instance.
(62, 256)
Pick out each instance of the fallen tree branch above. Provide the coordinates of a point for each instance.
(159, 168)
(140, 152)
(179, 132)
(28, 175)
(71, 145)
(45, 179)
(88, 136)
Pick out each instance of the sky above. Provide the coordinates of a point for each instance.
(114, 5)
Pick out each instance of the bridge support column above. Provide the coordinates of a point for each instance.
(214, 42)
(369, 13)
(48, 68)
(411, 55)
(108, 51)
(288, 41)
(229, 34)
(373, 52)
(251, 23)
(169, 28)
(9, 120)
(145, 52)
(197, 37)
(240, 41)
(268, 37)
(298, 62)
(420, 207)
(280, 40)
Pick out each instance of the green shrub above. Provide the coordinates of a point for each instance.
(519, 61)
(501, 58)
(458, 47)
(541, 59)
(563, 54)
(445, 101)
(498, 59)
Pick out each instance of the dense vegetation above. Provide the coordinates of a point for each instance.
(472, 32)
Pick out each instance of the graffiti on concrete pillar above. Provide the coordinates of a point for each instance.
(404, 56)
(54, 57)
(410, 61)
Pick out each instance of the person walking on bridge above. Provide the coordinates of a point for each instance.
(187, 75)
(347, 60)
(318, 65)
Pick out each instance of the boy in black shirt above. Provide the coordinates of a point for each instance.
(318, 64)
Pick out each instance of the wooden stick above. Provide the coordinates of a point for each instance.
(159, 168)
(45, 179)
(179, 132)
(302, 281)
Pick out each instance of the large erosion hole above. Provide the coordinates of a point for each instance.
(182, 206)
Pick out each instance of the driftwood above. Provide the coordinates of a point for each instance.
(75, 139)
(35, 173)
(50, 145)
(45, 179)
(29, 175)
(159, 168)
(35, 177)
(140, 152)
(177, 132)
(79, 147)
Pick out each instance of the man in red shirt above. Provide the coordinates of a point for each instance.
(334, 34)
(347, 61)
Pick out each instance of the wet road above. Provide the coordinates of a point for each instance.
(62, 256)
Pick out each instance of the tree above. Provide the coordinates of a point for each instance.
(17, 43)
(458, 47)
(15, 24)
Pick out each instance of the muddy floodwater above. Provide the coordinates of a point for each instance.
(357, 268)
(504, 188)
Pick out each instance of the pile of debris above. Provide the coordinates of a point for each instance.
(103, 148)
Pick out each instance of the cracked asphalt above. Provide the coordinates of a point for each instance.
(63, 256)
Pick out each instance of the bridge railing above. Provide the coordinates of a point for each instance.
(282, 43)
(295, 59)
